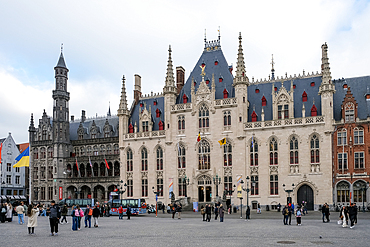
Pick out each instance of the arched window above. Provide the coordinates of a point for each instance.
(116, 149)
(50, 152)
(159, 159)
(313, 111)
(82, 170)
(304, 96)
(228, 154)
(144, 159)
(117, 171)
(358, 135)
(254, 116)
(349, 112)
(253, 153)
(43, 153)
(227, 118)
(181, 122)
(96, 152)
(35, 154)
(343, 192)
(263, 101)
(89, 152)
(315, 149)
(359, 192)
(129, 160)
(342, 137)
(109, 149)
(293, 150)
(96, 169)
(181, 161)
(102, 150)
(273, 152)
(82, 150)
(102, 169)
(204, 158)
(203, 116)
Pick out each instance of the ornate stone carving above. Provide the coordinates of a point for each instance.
(181, 173)
(273, 169)
(129, 175)
(254, 170)
(159, 174)
(228, 171)
(144, 175)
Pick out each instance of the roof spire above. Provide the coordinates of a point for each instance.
(61, 62)
(219, 33)
(325, 72)
(123, 102)
(240, 76)
(108, 114)
(205, 37)
(272, 68)
(61, 48)
(170, 81)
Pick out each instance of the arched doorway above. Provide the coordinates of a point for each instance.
(305, 194)
(204, 189)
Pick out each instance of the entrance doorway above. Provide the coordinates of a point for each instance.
(305, 193)
(204, 189)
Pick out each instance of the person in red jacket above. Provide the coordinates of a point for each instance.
(120, 212)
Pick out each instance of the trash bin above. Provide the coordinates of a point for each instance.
(235, 210)
(267, 208)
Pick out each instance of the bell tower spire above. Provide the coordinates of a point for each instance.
(170, 81)
(240, 76)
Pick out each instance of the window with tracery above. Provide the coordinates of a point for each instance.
(253, 150)
(181, 122)
(159, 158)
(129, 160)
(204, 158)
(274, 190)
(203, 116)
(227, 118)
(315, 149)
(283, 110)
(349, 112)
(181, 160)
(228, 154)
(144, 159)
(273, 152)
(293, 150)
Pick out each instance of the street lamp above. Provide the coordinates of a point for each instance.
(156, 199)
(289, 199)
(121, 190)
(216, 181)
(247, 190)
(363, 189)
(241, 198)
(186, 181)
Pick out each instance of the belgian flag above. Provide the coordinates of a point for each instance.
(199, 138)
(222, 141)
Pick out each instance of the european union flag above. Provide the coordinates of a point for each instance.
(23, 159)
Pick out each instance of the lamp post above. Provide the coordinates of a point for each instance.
(216, 181)
(2, 185)
(156, 199)
(247, 190)
(186, 181)
(121, 190)
(363, 189)
(241, 201)
(289, 199)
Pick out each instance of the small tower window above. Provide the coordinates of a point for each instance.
(312, 84)
(345, 86)
(263, 101)
(185, 99)
(257, 90)
(294, 86)
(155, 102)
(313, 111)
(220, 79)
(160, 125)
(130, 128)
(254, 116)
(207, 81)
(216, 62)
(304, 97)
(275, 88)
(226, 94)
(158, 112)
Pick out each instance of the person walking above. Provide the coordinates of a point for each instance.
(221, 212)
(352, 211)
(54, 216)
(81, 214)
(354, 204)
(173, 210)
(179, 210)
(33, 212)
(290, 213)
(344, 216)
(208, 212)
(64, 214)
(203, 212)
(120, 212)
(25, 209)
(88, 213)
(128, 211)
(299, 216)
(102, 211)
(43, 211)
(216, 211)
(20, 212)
(285, 214)
(9, 212)
(323, 210)
(2, 213)
(96, 214)
(327, 212)
(248, 213)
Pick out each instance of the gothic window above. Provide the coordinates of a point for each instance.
(359, 160)
(159, 158)
(44, 134)
(116, 149)
(253, 153)
(254, 116)
(342, 137)
(283, 110)
(82, 170)
(313, 111)
(274, 185)
(181, 122)
(304, 96)
(82, 151)
(102, 169)
(145, 126)
(342, 161)
(228, 154)
(273, 152)
(129, 160)
(107, 134)
(50, 152)
(343, 192)
(263, 101)
(42, 153)
(254, 185)
(228, 185)
(80, 136)
(349, 112)
(96, 169)
(102, 150)
(204, 158)
(315, 151)
(130, 128)
(144, 159)
(130, 188)
(144, 187)
(358, 134)
(117, 171)
(203, 116)
(227, 118)
(96, 152)
(182, 187)
(35, 154)
(160, 186)
(89, 152)
(93, 135)
(35, 173)
(109, 149)
(293, 150)
(181, 161)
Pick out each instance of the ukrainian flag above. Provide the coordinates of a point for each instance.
(23, 159)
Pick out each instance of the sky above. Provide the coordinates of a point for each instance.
(104, 40)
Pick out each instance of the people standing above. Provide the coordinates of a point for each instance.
(81, 214)
(54, 216)
(327, 212)
(208, 212)
(323, 210)
(299, 216)
(203, 212)
(221, 212)
(20, 212)
(64, 214)
(173, 210)
(344, 216)
(75, 214)
(352, 210)
(9, 212)
(33, 212)
(216, 211)
(290, 213)
(354, 204)
(96, 214)
(285, 214)
(248, 213)
(120, 212)
(128, 211)
(102, 211)
(179, 210)
(2, 213)
(88, 213)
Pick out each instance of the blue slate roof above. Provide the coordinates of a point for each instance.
(99, 122)
(359, 86)
(220, 70)
(134, 118)
(61, 62)
(301, 85)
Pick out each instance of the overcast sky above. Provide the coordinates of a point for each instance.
(104, 40)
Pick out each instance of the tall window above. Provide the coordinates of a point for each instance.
(44, 134)
(294, 150)
(358, 135)
(274, 185)
(315, 151)
(96, 152)
(102, 150)
(43, 153)
(129, 160)
(145, 126)
(253, 153)
(116, 149)
(342, 161)
(50, 152)
(349, 112)
(254, 185)
(89, 152)
(35, 154)
(50, 172)
(8, 167)
(228, 154)
(204, 156)
(160, 186)
(35, 173)
(181, 187)
(343, 192)
(203, 116)
(159, 158)
(181, 122)
(109, 149)
(227, 118)
(342, 137)
(144, 159)
(80, 136)
(181, 161)
(42, 193)
(359, 160)
(273, 152)
(130, 188)
(8, 179)
(283, 110)
(228, 184)
(17, 180)
(50, 193)
(144, 187)
(17, 169)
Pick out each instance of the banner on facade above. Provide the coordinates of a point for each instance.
(170, 187)
(239, 186)
(60, 193)
(195, 206)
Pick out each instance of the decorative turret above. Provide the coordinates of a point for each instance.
(272, 68)
(240, 77)
(31, 130)
(170, 81)
(122, 109)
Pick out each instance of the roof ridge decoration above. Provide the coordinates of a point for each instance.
(212, 45)
(61, 63)
(286, 77)
(170, 81)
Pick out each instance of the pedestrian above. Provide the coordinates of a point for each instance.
(54, 216)
(305, 207)
(163, 207)
(354, 204)
(279, 207)
(203, 212)
(208, 212)
(352, 211)
(96, 214)
(128, 211)
(2, 213)
(81, 214)
(221, 212)
(216, 211)
(64, 214)
(107, 208)
(43, 211)
(327, 212)
(33, 212)
(25, 209)
(120, 212)
(20, 212)
(344, 216)
(323, 210)
(9, 213)
(299, 216)
(290, 213)
(248, 213)
(285, 214)
(179, 210)
(75, 214)
(88, 213)
(102, 211)
(258, 208)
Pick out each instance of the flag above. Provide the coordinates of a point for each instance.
(23, 159)
(106, 164)
(77, 166)
(222, 141)
(199, 138)
(90, 162)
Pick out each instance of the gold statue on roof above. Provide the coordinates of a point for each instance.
(203, 66)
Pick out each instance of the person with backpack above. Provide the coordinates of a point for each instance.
(285, 213)
(75, 214)
(54, 216)
(88, 214)
(299, 216)
(64, 214)
(80, 216)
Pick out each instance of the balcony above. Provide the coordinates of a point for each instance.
(145, 135)
(219, 103)
(285, 123)
(86, 180)
(181, 107)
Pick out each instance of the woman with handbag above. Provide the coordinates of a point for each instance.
(32, 213)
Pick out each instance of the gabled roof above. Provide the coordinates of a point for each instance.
(99, 122)
(61, 62)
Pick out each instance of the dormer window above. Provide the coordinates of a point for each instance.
(220, 79)
(145, 126)
(130, 128)
(345, 86)
(294, 86)
(263, 101)
(254, 116)
(185, 99)
(160, 125)
(313, 111)
(257, 90)
(312, 84)
(349, 112)
(216, 62)
(304, 97)
(275, 88)
(155, 102)
(158, 112)
(207, 81)
(226, 94)
(141, 104)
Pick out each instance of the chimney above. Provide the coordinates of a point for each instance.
(72, 118)
(137, 88)
(180, 78)
(83, 116)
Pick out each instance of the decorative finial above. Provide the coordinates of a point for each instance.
(272, 68)
(205, 35)
(61, 48)
(219, 33)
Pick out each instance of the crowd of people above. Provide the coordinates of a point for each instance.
(348, 213)
(218, 209)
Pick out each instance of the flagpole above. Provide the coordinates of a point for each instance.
(29, 175)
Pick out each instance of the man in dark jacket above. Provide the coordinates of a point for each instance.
(352, 211)
(285, 212)
(327, 213)
(179, 210)
(290, 213)
(208, 212)
(128, 211)
(323, 210)
(54, 216)
(96, 214)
